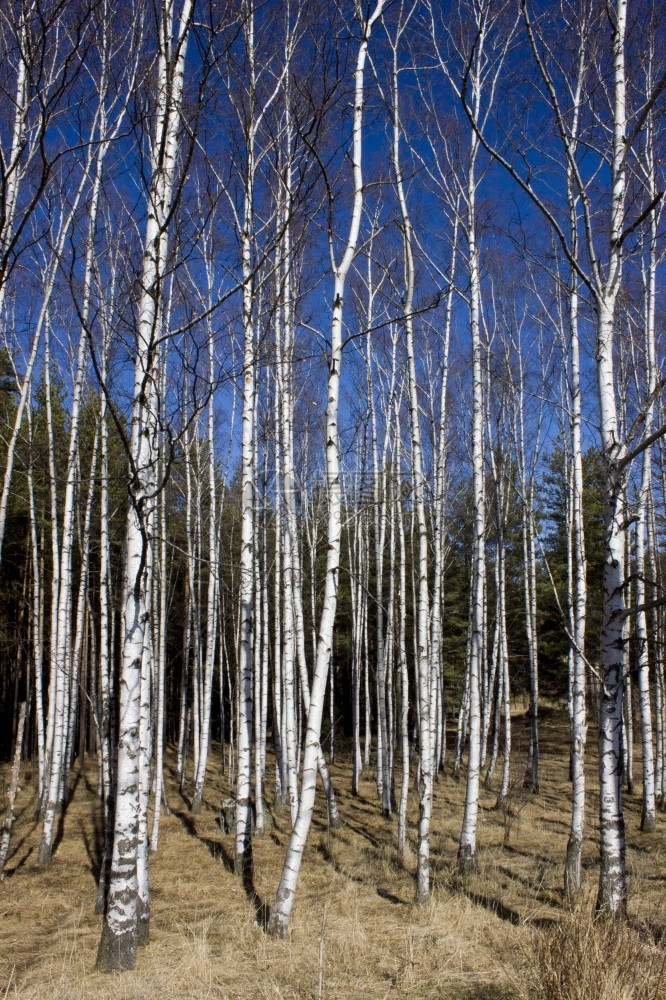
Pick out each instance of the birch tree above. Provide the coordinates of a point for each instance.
(480, 60)
(602, 275)
(47, 61)
(645, 539)
(424, 672)
(125, 923)
(281, 911)
(107, 123)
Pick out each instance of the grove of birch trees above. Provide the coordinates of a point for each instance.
(332, 412)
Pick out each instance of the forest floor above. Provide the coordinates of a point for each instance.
(479, 937)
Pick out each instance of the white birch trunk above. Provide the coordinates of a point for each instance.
(57, 712)
(572, 873)
(37, 628)
(281, 912)
(357, 647)
(12, 169)
(211, 600)
(643, 533)
(424, 666)
(402, 646)
(105, 658)
(467, 860)
(612, 879)
(440, 495)
(80, 620)
(605, 274)
(161, 582)
(295, 634)
(121, 932)
(383, 779)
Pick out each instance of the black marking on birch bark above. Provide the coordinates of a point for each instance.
(467, 861)
(142, 922)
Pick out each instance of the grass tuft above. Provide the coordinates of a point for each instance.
(588, 956)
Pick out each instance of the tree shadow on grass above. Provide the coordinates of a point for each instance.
(323, 850)
(8, 872)
(71, 791)
(214, 847)
(94, 845)
(503, 911)
(218, 852)
(361, 832)
(328, 856)
(15, 848)
(532, 855)
(60, 827)
(262, 910)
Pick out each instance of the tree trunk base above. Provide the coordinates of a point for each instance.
(278, 925)
(45, 856)
(423, 870)
(502, 803)
(467, 863)
(612, 897)
(116, 952)
(648, 821)
(197, 800)
(422, 894)
(334, 820)
(572, 869)
(243, 864)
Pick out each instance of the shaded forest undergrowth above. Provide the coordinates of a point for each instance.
(492, 935)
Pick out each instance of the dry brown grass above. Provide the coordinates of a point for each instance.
(586, 957)
(478, 938)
